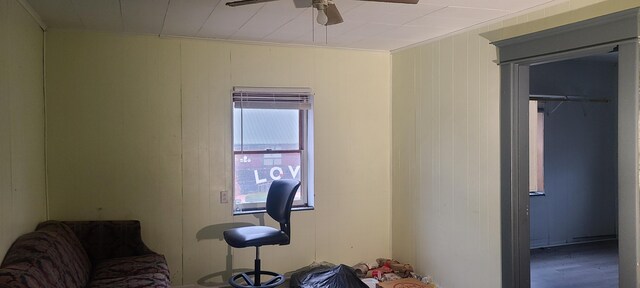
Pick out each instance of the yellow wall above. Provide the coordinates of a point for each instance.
(139, 127)
(22, 166)
(446, 169)
(445, 152)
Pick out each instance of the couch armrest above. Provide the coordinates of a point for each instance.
(110, 239)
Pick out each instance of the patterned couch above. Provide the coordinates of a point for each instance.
(83, 254)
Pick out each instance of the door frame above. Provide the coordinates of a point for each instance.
(515, 55)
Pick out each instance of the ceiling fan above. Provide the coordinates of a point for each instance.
(328, 13)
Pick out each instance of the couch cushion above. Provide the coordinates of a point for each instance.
(51, 256)
(105, 240)
(22, 275)
(151, 280)
(131, 266)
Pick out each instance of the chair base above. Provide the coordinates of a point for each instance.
(276, 280)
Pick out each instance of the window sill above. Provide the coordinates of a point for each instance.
(537, 193)
(306, 208)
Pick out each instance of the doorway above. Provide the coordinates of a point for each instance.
(573, 172)
(516, 55)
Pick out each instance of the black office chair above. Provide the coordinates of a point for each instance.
(279, 203)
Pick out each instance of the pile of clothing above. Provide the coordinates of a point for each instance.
(384, 270)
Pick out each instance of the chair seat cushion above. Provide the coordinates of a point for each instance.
(255, 236)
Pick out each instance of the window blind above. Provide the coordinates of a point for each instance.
(272, 98)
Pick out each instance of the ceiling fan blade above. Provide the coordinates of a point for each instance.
(246, 2)
(333, 14)
(396, 1)
(302, 3)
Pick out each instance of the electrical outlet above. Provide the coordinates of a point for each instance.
(224, 197)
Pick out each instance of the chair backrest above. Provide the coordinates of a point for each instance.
(280, 201)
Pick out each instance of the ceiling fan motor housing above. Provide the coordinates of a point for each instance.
(320, 4)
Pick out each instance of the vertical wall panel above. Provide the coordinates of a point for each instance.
(22, 163)
(206, 159)
(460, 181)
(473, 135)
(5, 140)
(404, 155)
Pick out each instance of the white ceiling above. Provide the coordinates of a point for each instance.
(367, 25)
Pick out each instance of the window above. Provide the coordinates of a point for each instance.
(272, 139)
(536, 149)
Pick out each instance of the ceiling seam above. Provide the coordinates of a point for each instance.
(73, 6)
(208, 17)
(290, 20)
(485, 9)
(425, 15)
(245, 23)
(164, 19)
(121, 15)
(405, 24)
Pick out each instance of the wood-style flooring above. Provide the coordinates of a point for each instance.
(593, 265)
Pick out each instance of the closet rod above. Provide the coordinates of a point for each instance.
(562, 98)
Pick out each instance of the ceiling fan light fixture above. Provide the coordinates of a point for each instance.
(322, 18)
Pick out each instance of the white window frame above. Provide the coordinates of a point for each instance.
(272, 98)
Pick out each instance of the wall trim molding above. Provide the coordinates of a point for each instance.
(615, 27)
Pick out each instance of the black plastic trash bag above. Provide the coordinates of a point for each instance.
(340, 276)
(300, 274)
